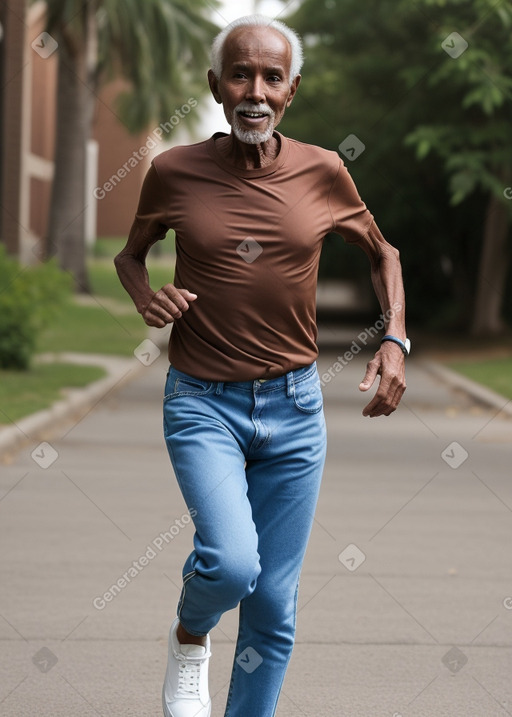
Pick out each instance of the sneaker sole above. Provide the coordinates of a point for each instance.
(164, 703)
(166, 709)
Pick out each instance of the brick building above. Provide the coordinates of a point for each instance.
(28, 69)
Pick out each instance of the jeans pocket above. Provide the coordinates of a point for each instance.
(307, 395)
(180, 384)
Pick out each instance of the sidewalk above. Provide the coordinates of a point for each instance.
(405, 607)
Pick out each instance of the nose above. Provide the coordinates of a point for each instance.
(255, 90)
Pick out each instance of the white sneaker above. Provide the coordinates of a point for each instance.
(185, 691)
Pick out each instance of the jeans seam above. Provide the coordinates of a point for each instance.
(235, 663)
(198, 394)
(307, 375)
(293, 645)
(186, 579)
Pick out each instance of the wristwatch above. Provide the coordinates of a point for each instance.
(404, 345)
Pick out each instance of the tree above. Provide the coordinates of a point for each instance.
(159, 46)
(434, 127)
(480, 156)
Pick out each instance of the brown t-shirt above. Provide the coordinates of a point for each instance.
(248, 244)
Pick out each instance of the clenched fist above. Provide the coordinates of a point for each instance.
(167, 305)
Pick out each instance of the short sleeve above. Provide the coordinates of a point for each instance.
(152, 216)
(350, 216)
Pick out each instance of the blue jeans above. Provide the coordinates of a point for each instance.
(248, 457)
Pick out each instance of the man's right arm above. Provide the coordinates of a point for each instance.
(157, 308)
(162, 307)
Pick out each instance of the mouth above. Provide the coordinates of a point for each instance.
(253, 117)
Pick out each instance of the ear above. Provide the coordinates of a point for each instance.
(293, 90)
(214, 87)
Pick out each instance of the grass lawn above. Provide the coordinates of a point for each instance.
(97, 327)
(495, 373)
(108, 247)
(104, 281)
(25, 392)
(103, 277)
(104, 323)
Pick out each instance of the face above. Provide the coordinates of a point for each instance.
(255, 84)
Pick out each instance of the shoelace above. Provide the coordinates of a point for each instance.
(188, 678)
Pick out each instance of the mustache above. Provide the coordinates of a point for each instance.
(263, 109)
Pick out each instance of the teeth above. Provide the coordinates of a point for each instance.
(254, 114)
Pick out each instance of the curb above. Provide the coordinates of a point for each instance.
(76, 404)
(475, 390)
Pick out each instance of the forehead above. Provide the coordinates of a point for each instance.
(264, 45)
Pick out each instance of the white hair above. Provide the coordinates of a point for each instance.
(217, 50)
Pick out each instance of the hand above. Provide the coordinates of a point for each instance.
(167, 305)
(389, 363)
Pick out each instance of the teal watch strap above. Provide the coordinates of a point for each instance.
(404, 345)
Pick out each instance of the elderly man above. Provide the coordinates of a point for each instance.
(243, 410)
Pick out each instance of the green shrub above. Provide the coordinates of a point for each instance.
(30, 297)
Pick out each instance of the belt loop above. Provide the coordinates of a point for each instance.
(219, 388)
(290, 385)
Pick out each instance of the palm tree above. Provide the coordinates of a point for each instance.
(159, 46)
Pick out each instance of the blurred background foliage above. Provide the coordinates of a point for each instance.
(437, 131)
(31, 298)
(160, 47)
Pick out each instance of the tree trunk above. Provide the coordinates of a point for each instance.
(493, 270)
(75, 108)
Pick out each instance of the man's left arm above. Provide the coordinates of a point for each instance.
(389, 361)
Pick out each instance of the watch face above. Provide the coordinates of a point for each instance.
(408, 346)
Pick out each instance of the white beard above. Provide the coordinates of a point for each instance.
(252, 136)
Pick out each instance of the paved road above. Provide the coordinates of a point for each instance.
(403, 604)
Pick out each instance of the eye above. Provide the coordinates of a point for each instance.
(274, 78)
(239, 76)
